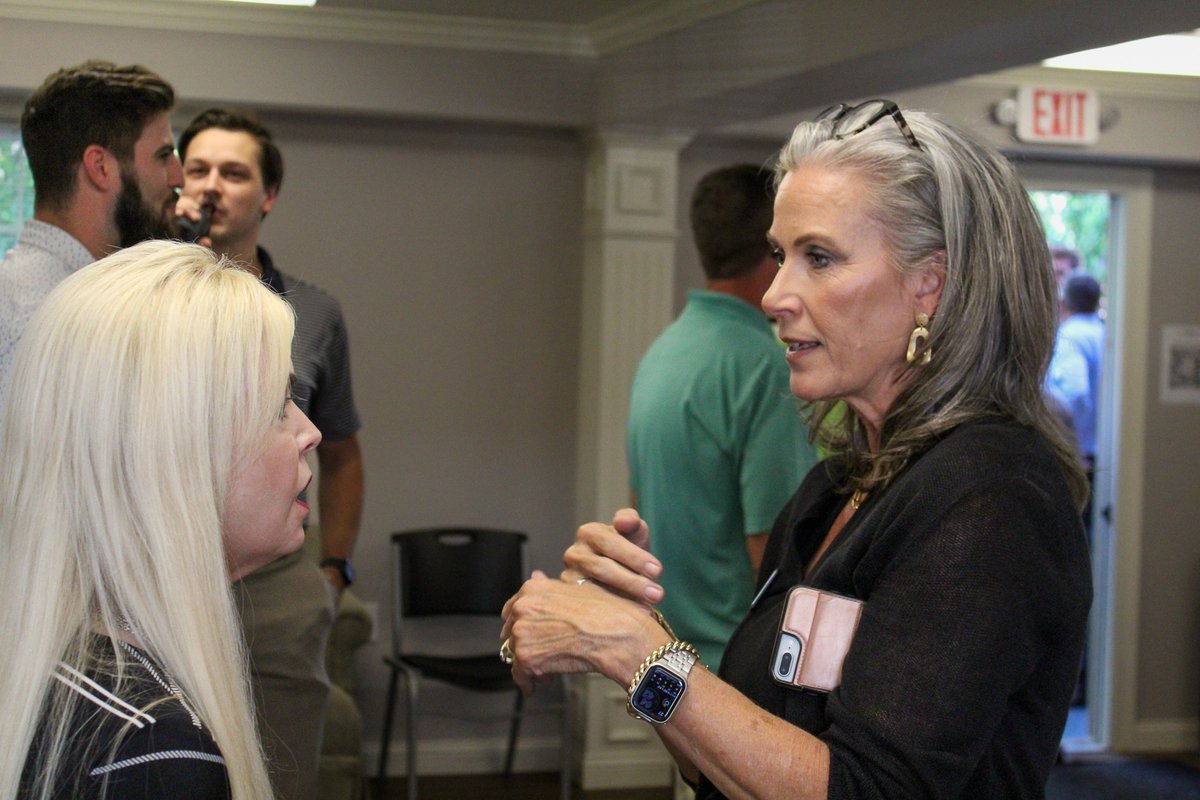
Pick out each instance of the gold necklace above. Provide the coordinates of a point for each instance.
(858, 498)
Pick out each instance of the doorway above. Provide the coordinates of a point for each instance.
(1116, 253)
(1078, 227)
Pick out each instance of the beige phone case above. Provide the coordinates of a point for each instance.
(814, 635)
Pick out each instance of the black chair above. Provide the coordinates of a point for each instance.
(455, 572)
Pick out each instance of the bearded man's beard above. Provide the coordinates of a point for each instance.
(136, 222)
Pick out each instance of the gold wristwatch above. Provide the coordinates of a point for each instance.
(658, 686)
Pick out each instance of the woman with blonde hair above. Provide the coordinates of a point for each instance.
(923, 597)
(151, 455)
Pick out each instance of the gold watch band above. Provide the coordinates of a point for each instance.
(677, 656)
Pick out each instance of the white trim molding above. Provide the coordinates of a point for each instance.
(636, 23)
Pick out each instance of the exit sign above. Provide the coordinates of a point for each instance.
(1058, 116)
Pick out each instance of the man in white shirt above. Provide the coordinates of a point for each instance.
(105, 175)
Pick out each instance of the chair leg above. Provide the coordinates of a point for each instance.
(514, 727)
(386, 739)
(411, 724)
(564, 778)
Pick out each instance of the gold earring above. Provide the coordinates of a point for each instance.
(917, 351)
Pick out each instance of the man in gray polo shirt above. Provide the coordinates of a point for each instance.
(232, 166)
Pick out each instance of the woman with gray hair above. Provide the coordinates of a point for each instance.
(934, 568)
(152, 454)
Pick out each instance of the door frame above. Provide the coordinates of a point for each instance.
(1116, 561)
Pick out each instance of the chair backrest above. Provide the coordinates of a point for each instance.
(456, 570)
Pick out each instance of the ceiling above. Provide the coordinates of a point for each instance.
(566, 27)
(674, 65)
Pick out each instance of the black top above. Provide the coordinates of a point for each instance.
(162, 748)
(975, 574)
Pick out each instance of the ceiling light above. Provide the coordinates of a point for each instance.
(1176, 54)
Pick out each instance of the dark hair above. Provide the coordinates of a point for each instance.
(270, 160)
(1066, 254)
(731, 213)
(1081, 295)
(96, 102)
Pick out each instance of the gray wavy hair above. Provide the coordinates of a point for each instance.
(993, 333)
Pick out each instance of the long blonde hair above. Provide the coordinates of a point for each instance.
(993, 333)
(137, 387)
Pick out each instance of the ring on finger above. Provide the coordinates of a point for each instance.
(506, 653)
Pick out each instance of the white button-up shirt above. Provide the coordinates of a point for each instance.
(43, 256)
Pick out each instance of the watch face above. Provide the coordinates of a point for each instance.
(656, 695)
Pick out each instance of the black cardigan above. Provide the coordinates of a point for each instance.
(976, 577)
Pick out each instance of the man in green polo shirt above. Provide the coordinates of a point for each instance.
(716, 444)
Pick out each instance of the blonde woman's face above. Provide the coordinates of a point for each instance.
(264, 515)
(844, 312)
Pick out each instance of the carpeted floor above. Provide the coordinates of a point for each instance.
(525, 786)
(1124, 780)
(1114, 779)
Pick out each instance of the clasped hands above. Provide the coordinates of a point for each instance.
(596, 616)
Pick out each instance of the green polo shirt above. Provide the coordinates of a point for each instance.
(716, 446)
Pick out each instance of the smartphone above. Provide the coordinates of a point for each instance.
(815, 633)
(191, 230)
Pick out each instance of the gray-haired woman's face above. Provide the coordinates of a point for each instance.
(843, 310)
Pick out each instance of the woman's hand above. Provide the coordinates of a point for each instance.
(616, 556)
(553, 626)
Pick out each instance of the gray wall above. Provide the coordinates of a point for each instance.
(1169, 657)
(454, 252)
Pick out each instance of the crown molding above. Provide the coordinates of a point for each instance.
(638, 23)
(314, 24)
(653, 18)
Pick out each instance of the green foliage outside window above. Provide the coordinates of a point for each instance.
(16, 188)
(1078, 220)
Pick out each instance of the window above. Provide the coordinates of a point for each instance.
(16, 187)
